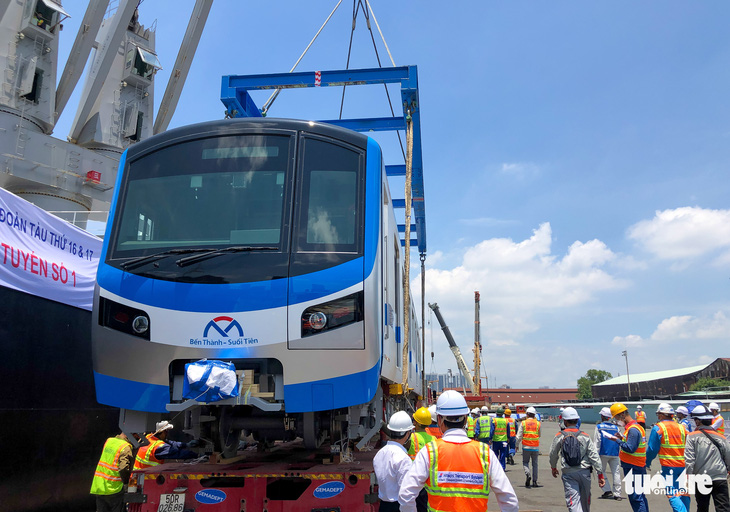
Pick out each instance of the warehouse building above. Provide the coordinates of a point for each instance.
(662, 383)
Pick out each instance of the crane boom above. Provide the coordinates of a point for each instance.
(460, 362)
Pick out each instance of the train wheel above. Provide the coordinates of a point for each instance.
(227, 438)
(312, 433)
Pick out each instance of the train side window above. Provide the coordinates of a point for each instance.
(330, 215)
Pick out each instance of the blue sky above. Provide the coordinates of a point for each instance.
(575, 160)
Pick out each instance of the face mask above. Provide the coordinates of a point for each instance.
(620, 423)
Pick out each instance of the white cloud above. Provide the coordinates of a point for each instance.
(517, 280)
(683, 233)
(681, 329)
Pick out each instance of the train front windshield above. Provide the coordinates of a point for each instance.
(181, 203)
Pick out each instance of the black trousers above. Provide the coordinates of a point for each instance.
(110, 503)
(422, 501)
(389, 506)
(719, 495)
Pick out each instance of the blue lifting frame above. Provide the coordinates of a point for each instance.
(238, 102)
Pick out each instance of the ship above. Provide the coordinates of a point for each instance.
(51, 423)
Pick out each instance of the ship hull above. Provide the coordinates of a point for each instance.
(51, 426)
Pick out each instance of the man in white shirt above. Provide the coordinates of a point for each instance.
(458, 473)
(392, 462)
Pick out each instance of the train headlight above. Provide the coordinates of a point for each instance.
(333, 314)
(318, 320)
(124, 318)
(140, 324)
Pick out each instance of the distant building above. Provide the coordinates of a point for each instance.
(530, 396)
(441, 381)
(663, 383)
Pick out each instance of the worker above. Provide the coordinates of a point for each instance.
(684, 418)
(718, 423)
(512, 439)
(391, 463)
(433, 428)
(500, 437)
(577, 455)
(458, 473)
(667, 440)
(471, 421)
(529, 433)
(608, 452)
(708, 453)
(632, 454)
(112, 474)
(421, 421)
(640, 417)
(561, 423)
(483, 426)
(160, 448)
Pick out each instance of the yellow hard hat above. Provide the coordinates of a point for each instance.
(618, 408)
(507, 412)
(422, 416)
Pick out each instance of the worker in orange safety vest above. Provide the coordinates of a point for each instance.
(160, 448)
(458, 473)
(512, 436)
(667, 440)
(640, 417)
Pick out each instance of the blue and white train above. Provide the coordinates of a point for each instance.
(269, 243)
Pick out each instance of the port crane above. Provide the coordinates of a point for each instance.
(460, 362)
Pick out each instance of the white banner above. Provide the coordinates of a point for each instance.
(45, 256)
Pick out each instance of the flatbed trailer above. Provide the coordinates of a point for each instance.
(289, 478)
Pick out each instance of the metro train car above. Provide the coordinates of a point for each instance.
(269, 243)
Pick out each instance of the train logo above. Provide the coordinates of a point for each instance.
(214, 324)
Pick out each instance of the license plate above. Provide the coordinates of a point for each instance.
(171, 503)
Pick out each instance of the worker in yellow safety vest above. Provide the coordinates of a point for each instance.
(458, 473)
(112, 474)
(471, 421)
(718, 422)
(420, 437)
(483, 426)
(500, 437)
(160, 448)
(512, 433)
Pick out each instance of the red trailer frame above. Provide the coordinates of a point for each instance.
(303, 484)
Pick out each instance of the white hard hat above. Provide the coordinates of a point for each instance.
(562, 409)
(432, 410)
(605, 413)
(714, 406)
(682, 410)
(161, 426)
(475, 410)
(485, 408)
(531, 410)
(638, 407)
(400, 422)
(700, 412)
(665, 408)
(451, 404)
(570, 414)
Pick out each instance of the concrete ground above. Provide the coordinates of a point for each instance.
(550, 497)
